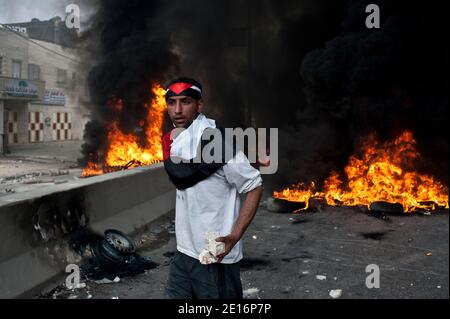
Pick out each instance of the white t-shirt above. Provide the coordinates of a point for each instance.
(212, 205)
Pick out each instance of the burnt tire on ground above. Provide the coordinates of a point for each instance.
(114, 248)
(119, 241)
(386, 208)
(277, 205)
(107, 255)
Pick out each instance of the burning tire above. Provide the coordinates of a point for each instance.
(386, 208)
(284, 206)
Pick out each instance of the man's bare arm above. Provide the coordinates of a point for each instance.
(246, 215)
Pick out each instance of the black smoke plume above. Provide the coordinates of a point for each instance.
(133, 51)
(364, 80)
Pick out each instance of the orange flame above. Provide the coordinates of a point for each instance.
(383, 173)
(123, 149)
(297, 193)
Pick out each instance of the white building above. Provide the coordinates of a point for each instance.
(42, 90)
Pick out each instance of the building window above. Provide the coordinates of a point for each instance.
(62, 76)
(16, 69)
(34, 72)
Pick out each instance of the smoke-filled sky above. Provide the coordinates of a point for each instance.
(12, 11)
(25, 10)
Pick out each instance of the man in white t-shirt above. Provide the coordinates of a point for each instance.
(207, 202)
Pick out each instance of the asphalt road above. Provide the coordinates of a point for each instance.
(284, 254)
(33, 166)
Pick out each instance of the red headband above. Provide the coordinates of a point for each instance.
(179, 87)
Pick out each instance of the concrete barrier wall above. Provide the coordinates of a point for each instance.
(35, 227)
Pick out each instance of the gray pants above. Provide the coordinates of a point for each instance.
(189, 279)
